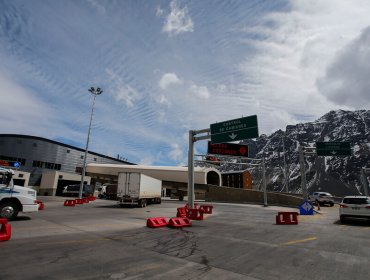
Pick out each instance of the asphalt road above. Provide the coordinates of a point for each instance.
(100, 240)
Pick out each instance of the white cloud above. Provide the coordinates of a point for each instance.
(346, 81)
(159, 11)
(127, 95)
(147, 161)
(292, 52)
(175, 153)
(178, 21)
(200, 91)
(169, 79)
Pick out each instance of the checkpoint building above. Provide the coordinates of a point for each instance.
(43, 162)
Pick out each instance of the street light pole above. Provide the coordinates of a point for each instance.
(95, 92)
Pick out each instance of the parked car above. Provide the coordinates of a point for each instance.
(354, 207)
(322, 198)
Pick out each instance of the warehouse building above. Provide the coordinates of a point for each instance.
(34, 156)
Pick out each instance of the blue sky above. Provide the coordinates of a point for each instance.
(170, 66)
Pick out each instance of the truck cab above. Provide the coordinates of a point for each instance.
(15, 199)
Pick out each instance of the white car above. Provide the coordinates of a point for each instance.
(354, 207)
(322, 198)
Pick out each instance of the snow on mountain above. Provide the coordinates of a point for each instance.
(339, 175)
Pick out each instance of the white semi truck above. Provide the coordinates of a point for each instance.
(15, 199)
(138, 189)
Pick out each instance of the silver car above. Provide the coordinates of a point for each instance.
(322, 198)
(354, 207)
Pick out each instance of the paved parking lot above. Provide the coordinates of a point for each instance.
(100, 240)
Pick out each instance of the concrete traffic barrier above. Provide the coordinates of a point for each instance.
(69, 202)
(156, 222)
(207, 209)
(179, 222)
(195, 214)
(5, 230)
(287, 218)
(182, 212)
(41, 204)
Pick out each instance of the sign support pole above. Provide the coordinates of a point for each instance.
(192, 140)
(191, 170)
(364, 181)
(303, 173)
(264, 183)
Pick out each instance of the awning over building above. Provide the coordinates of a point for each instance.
(165, 173)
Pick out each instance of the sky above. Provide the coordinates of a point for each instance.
(167, 67)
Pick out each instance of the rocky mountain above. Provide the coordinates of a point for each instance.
(339, 175)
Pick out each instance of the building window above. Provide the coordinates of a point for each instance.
(37, 163)
(68, 151)
(35, 145)
(78, 170)
(60, 177)
(94, 158)
(20, 175)
(82, 157)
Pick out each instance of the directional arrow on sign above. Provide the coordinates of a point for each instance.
(233, 135)
(307, 206)
(333, 152)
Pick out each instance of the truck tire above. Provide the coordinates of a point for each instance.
(8, 210)
(159, 200)
(142, 203)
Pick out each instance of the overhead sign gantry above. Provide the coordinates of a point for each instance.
(223, 132)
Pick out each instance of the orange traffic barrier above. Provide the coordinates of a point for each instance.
(207, 209)
(179, 222)
(156, 222)
(182, 212)
(287, 218)
(195, 214)
(5, 230)
(69, 202)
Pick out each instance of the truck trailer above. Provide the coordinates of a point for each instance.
(138, 189)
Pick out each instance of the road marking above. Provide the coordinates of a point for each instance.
(299, 241)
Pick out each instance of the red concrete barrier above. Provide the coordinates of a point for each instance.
(85, 200)
(156, 222)
(70, 202)
(287, 218)
(207, 209)
(41, 204)
(182, 212)
(179, 222)
(195, 214)
(5, 230)
(79, 201)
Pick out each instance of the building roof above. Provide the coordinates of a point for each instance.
(61, 144)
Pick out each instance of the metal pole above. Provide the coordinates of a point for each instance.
(264, 183)
(191, 170)
(95, 92)
(303, 173)
(364, 181)
(286, 171)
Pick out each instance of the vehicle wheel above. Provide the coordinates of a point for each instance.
(8, 210)
(181, 198)
(342, 220)
(159, 200)
(142, 203)
(331, 204)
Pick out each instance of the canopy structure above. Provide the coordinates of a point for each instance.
(165, 173)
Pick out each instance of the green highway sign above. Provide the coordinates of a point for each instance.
(234, 130)
(333, 148)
